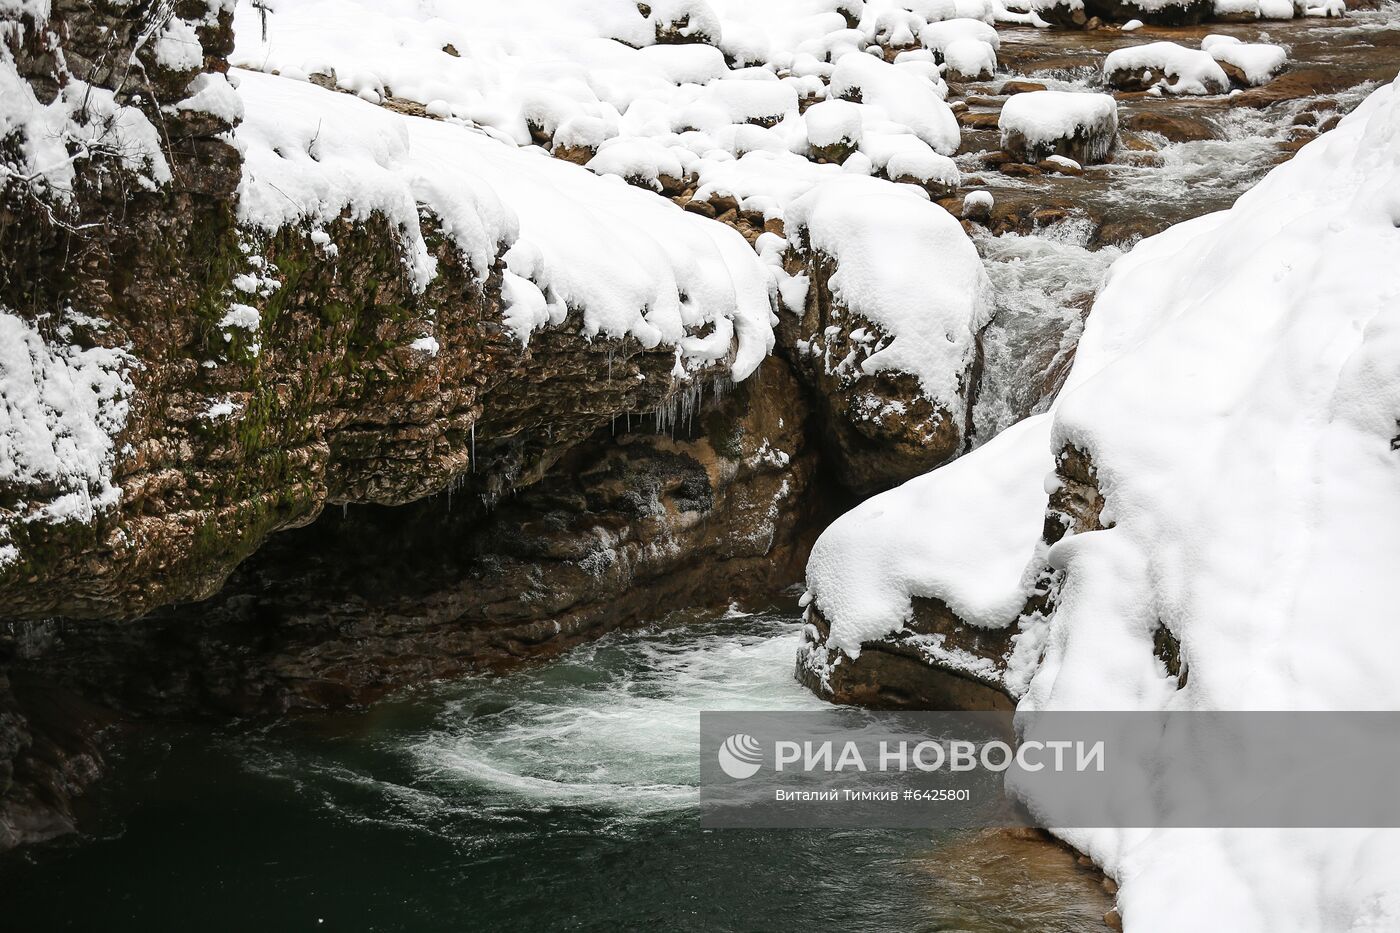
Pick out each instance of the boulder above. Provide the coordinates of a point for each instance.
(1082, 127)
(1173, 68)
(1177, 127)
(1076, 14)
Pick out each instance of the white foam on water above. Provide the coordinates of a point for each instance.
(1044, 284)
(1225, 167)
(614, 725)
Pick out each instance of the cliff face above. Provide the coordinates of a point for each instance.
(246, 379)
(235, 429)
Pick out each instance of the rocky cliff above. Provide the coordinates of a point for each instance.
(555, 475)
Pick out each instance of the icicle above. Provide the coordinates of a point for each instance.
(473, 446)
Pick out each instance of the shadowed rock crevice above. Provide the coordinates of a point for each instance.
(682, 509)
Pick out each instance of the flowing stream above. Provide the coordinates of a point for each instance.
(559, 797)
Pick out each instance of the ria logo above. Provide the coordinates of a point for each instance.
(740, 756)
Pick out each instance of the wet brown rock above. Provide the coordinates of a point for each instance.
(1021, 87)
(1177, 127)
(1134, 142)
(1018, 169)
(978, 120)
(1292, 85)
(898, 672)
(701, 207)
(836, 153)
(579, 155)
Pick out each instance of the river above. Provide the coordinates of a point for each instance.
(557, 797)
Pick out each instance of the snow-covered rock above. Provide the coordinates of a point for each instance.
(1174, 68)
(1081, 127)
(644, 269)
(977, 205)
(1075, 14)
(906, 266)
(969, 60)
(669, 92)
(834, 129)
(1246, 64)
(904, 96)
(883, 313)
(937, 36)
(1225, 481)
(61, 407)
(965, 534)
(1236, 389)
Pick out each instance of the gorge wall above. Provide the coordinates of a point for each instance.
(452, 497)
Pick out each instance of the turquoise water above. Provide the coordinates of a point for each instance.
(560, 797)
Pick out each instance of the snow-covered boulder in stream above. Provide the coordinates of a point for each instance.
(1225, 502)
(1040, 124)
(969, 60)
(1173, 68)
(1075, 14)
(1247, 64)
(916, 592)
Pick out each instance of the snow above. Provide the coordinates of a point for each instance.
(1236, 386)
(745, 101)
(938, 36)
(1258, 61)
(1044, 117)
(82, 117)
(1236, 389)
(1328, 8)
(965, 534)
(906, 265)
(1191, 71)
(1217, 39)
(1133, 25)
(923, 165)
(686, 64)
(970, 58)
(219, 409)
(242, 316)
(212, 93)
(902, 95)
(978, 200)
(833, 122)
(1063, 162)
(177, 47)
(547, 71)
(61, 407)
(634, 264)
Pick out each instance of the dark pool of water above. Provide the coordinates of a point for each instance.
(557, 798)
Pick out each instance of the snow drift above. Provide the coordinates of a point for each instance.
(1237, 391)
